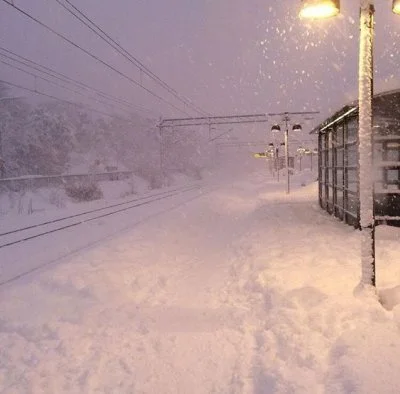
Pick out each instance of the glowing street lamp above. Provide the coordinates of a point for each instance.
(301, 150)
(323, 9)
(271, 149)
(396, 6)
(317, 9)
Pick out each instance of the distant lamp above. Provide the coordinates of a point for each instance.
(301, 150)
(320, 9)
(282, 144)
(396, 6)
(275, 128)
(296, 127)
(271, 145)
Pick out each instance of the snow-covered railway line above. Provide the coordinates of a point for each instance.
(50, 242)
(23, 234)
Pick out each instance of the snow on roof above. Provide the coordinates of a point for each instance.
(381, 109)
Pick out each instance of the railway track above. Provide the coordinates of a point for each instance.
(41, 249)
(23, 234)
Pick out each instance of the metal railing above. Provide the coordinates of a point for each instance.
(33, 182)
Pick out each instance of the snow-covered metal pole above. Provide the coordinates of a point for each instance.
(287, 155)
(366, 182)
(161, 152)
(277, 162)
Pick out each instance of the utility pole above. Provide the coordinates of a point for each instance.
(277, 162)
(1, 140)
(286, 119)
(160, 135)
(296, 127)
(2, 162)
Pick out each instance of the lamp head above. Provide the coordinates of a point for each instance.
(396, 7)
(297, 127)
(319, 9)
(275, 128)
(301, 150)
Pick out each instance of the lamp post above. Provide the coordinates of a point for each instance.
(301, 152)
(276, 159)
(327, 8)
(270, 158)
(296, 127)
(276, 128)
(313, 152)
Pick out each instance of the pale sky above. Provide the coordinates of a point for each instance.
(227, 56)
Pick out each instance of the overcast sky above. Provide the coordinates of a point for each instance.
(227, 56)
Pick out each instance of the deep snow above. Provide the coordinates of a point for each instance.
(242, 289)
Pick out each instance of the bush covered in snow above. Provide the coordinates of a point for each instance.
(83, 191)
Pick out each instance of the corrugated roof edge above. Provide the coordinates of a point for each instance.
(347, 108)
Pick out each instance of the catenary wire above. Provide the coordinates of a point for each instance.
(64, 87)
(62, 100)
(114, 44)
(93, 56)
(133, 59)
(48, 71)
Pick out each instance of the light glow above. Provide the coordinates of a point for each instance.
(320, 9)
(396, 6)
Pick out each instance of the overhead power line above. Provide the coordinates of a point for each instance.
(135, 61)
(214, 120)
(55, 74)
(62, 86)
(36, 76)
(93, 56)
(62, 100)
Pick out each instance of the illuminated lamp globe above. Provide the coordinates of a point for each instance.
(396, 7)
(275, 128)
(319, 9)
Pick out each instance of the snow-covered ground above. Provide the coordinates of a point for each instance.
(237, 288)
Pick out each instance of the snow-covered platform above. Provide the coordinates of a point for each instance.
(240, 289)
